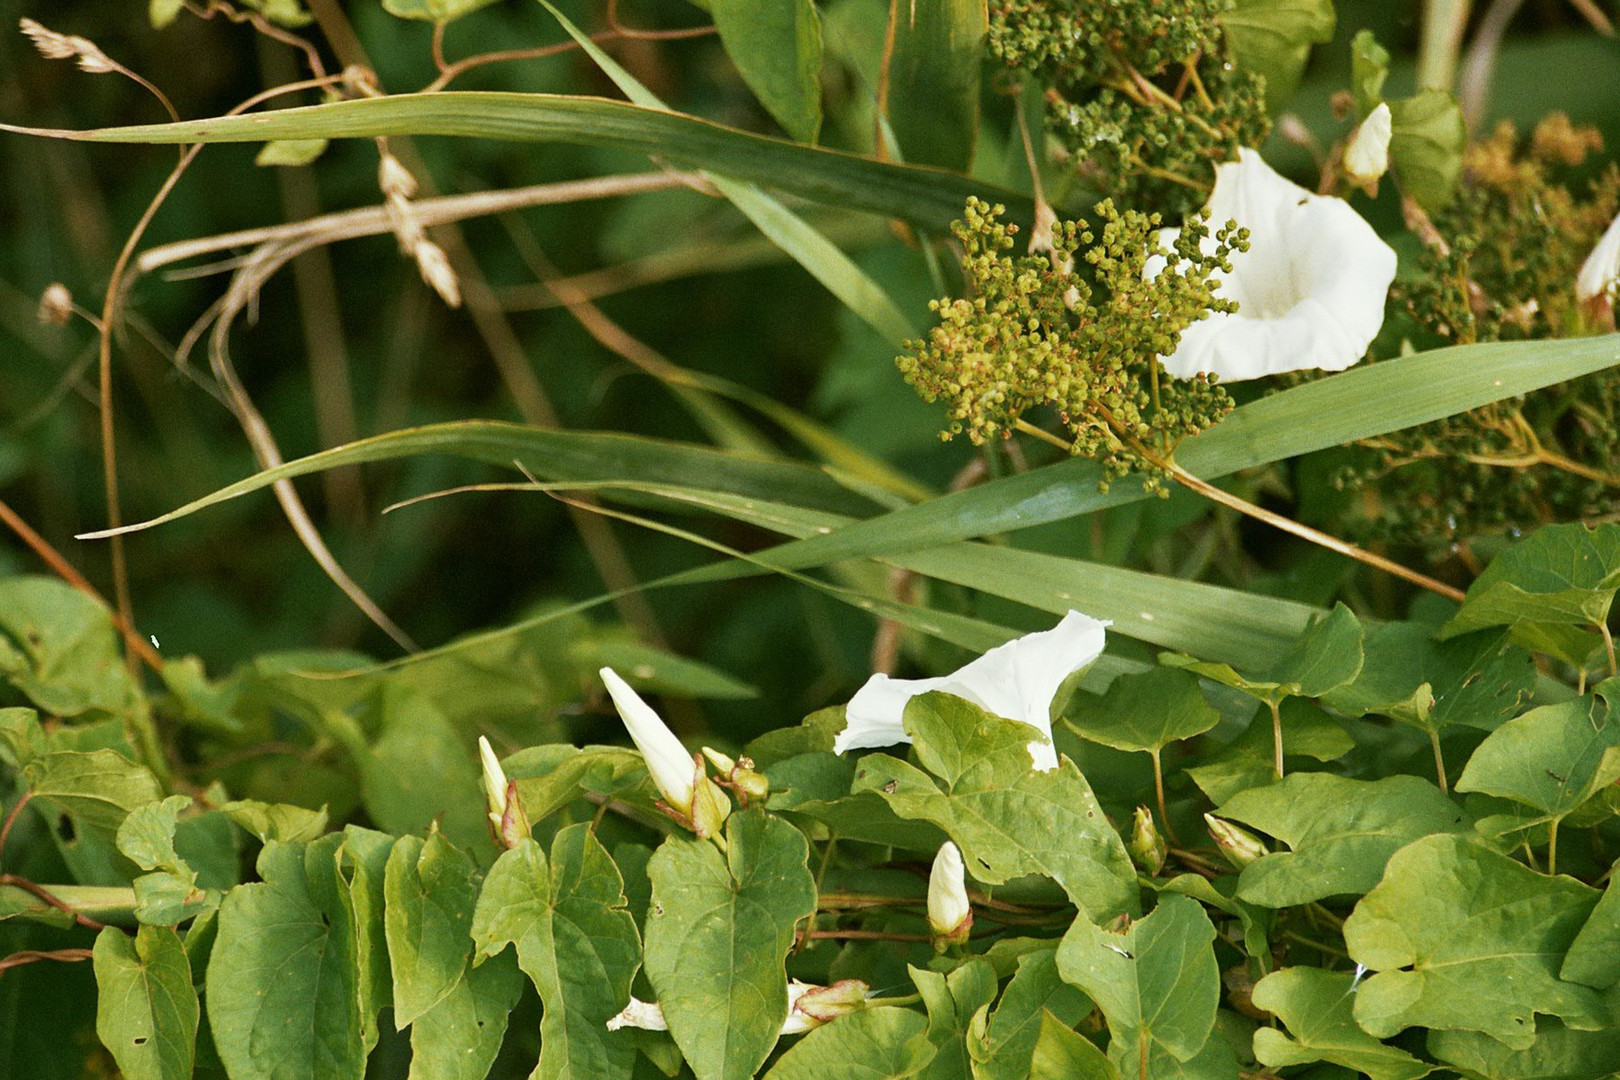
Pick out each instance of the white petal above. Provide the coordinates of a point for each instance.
(1016, 680)
(494, 778)
(671, 766)
(1310, 290)
(1366, 158)
(1601, 270)
(639, 1014)
(947, 890)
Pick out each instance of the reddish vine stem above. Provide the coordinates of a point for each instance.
(29, 956)
(50, 898)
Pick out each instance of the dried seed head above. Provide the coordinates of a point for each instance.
(435, 267)
(55, 46)
(394, 178)
(55, 305)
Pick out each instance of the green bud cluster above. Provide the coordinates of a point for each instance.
(1509, 248)
(1034, 332)
(1142, 97)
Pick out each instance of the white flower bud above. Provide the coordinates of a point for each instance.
(55, 305)
(810, 1006)
(950, 916)
(506, 816)
(1600, 273)
(639, 1014)
(1366, 158)
(678, 775)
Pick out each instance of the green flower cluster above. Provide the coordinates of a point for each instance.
(1500, 265)
(1034, 332)
(1142, 95)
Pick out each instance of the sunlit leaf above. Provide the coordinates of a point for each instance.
(1317, 1008)
(1461, 938)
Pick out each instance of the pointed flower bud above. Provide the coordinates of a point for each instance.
(950, 916)
(691, 796)
(739, 775)
(1366, 158)
(810, 1006)
(1147, 848)
(1240, 846)
(55, 305)
(506, 816)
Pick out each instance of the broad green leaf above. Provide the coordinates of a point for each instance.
(146, 1009)
(1410, 677)
(551, 776)
(1326, 656)
(1461, 938)
(419, 771)
(1060, 1053)
(362, 861)
(1559, 1053)
(776, 45)
(1551, 759)
(575, 940)
(435, 11)
(1010, 1033)
(1273, 38)
(1369, 67)
(290, 153)
(169, 894)
(930, 198)
(931, 75)
(1008, 820)
(1144, 712)
(1594, 956)
(84, 798)
(1426, 143)
(429, 893)
(1156, 982)
(1428, 132)
(718, 934)
(1219, 893)
(952, 1001)
(276, 821)
(1316, 1006)
(58, 647)
(874, 1044)
(284, 974)
(1247, 761)
(459, 1037)
(1558, 574)
(1341, 832)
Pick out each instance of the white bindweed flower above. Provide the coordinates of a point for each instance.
(1017, 681)
(1600, 273)
(809, 1006)
(1310, 289)
(1366, 158)
(679, 778)
(950, 916)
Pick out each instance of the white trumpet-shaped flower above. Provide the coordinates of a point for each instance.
(1017, 681)
(1310, 289)
(1600, 273)
(950, 916)
(1366, 157)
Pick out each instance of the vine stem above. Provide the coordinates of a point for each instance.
(1260, 513)
(1439, 761)
(1158, 791)
(1276, 737)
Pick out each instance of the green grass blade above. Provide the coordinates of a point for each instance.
(929, 198)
